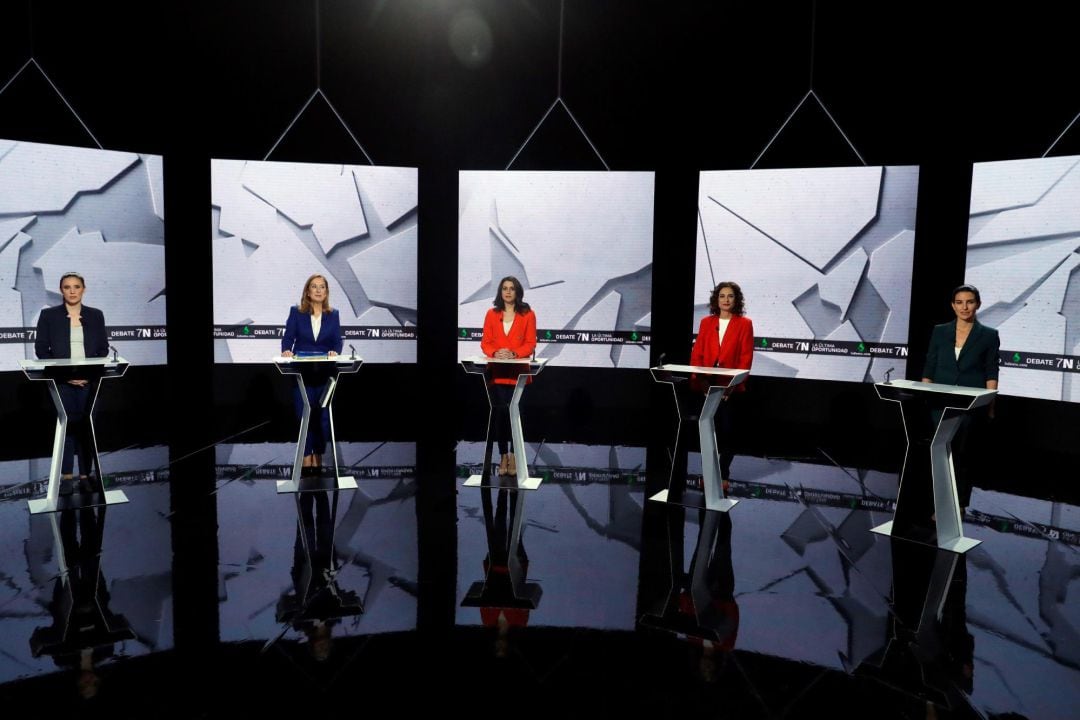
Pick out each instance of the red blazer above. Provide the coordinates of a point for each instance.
(521, 340)
(737, 352)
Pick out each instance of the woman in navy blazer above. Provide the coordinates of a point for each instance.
(73, 331)
(734, 349)
(313, 328)
(964, 352)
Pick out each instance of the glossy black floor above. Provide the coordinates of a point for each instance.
(581, 598)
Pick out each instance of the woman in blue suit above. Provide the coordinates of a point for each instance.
(73, 331)
(964, 352)
(313, 328)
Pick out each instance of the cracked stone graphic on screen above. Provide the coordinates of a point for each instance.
(276, 224)
(579, 242)
(96, 212)
(1024, 256)
(820, 253)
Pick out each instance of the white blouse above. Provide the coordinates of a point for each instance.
(78, 345)
(507, 326)
(316, 325)
(721, 329)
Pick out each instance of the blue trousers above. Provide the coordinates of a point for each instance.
(76, 402)
(319, 425)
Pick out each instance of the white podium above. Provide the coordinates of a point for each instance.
(524, 368)
(929, 456)
(330, 368)
(61, 371)
(721, 382)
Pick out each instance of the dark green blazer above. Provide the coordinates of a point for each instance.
(978, 361)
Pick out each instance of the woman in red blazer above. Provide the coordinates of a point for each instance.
(725, 339)
(509, 332)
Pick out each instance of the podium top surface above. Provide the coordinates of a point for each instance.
(485, 360)
(68, 363)
(701, 370)
(342, 359)
(938, 395)
(937, 388)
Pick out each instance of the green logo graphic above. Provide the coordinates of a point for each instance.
(764, 342)
(634, 336)
(1016, 357)
(464, 332)
(547, 334)
(246, 330)
(862, 347)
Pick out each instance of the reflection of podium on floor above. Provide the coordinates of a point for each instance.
(317, 370)
(61, 371)
(928, 652)
(525, 368)
(507, 564)
(316, 601)
(721, 382)
(928, 462)
(700, 602)
(84, 629)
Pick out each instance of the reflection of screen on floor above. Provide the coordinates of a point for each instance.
(580, 243)
(1023, 255)
(823, 257)
(95, 212)
(276, 224)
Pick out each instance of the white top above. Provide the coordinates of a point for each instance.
(78, 347)
(316, 325)
(721, 328)
(507, 326)
(957, 350)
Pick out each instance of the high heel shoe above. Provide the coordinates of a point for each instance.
(504, 465)
(512, 465)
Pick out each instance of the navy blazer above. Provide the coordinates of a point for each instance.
(978, 361)
(298, 337)
(54, 333)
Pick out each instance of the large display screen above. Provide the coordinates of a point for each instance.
(1023, 254)
(98, 213)
(581, 245)
(275, 224)
(824, 258)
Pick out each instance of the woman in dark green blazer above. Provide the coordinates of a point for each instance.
(964, 352)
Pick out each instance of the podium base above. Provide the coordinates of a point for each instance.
(318, 483)
(503, 482)
(695, 500)
(958, 545)
(76, 501)
(528, 600)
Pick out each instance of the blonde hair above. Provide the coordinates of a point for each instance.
(305, 304)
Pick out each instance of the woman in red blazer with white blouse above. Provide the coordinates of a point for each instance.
(725, 339)
(509, 332)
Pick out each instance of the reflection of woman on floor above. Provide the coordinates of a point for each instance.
(313, 329)
(84, 629)
(499, 586)
(725, 340)
(73, 331)
(509, 332)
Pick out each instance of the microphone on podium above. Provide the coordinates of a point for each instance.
(115, 352)
(887, 373)
(353, 348)
(661, 361)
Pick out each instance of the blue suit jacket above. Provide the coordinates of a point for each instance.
(298, 337)
(54, 333)
(978, 361)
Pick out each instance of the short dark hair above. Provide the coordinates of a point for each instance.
(520, 306)
(967, 288)
(714, 299)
